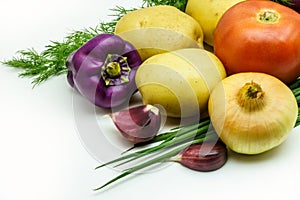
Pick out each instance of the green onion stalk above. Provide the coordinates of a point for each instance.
(51, 62)
(172, 142)
(295, 87)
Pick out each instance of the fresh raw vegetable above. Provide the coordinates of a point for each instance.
(159, 29)
(180, 81)
(260, 36)
(252, 112)
(138, 124)
(204, 156)
(208, 14)
(187, 134)
(103, 70)
(50, 62)
(171, 143)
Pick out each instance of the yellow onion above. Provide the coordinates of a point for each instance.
(252, 112)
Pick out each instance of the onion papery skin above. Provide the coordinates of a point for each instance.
(260, 126)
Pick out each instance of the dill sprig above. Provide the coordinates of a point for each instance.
(284, 2)
(51, 61)
(180, 4)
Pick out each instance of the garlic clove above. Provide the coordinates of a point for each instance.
(138, 124)
(206, 156)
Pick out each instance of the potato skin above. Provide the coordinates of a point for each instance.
(159, 29)
(208, 14)
(180, 81)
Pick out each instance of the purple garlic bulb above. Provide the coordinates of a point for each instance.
(138, 124)
(206, 156)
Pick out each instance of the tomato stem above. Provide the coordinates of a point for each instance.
(268, 16)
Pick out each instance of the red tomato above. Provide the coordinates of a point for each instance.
(259, 36)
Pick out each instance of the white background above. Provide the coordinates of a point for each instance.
(42, 156)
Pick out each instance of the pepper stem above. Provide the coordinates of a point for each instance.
(251, 96)
(115, 70)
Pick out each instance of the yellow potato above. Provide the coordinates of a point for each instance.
(159, 29)
(208, 14)
(180, 81)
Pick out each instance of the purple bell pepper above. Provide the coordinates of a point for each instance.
(103, 70)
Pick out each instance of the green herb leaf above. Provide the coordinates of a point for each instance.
(284, 2)
(51, 61)
(165, 155)
(180, 4)
(171, 145)
(175, 140)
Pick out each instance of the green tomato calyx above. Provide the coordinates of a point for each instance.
(268, 16)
